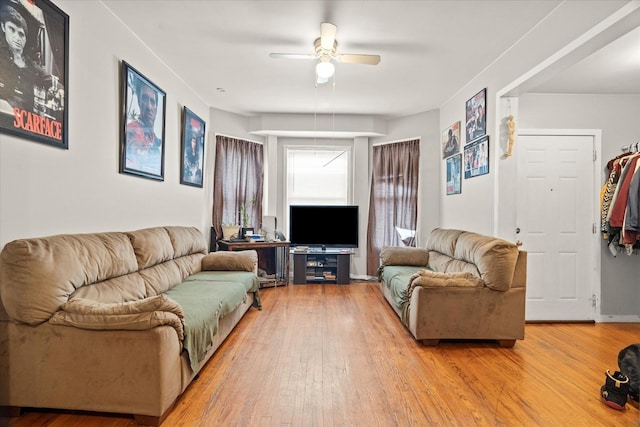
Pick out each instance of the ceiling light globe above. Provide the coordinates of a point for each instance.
(325, 69)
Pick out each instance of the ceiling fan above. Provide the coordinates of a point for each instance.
(325, 52)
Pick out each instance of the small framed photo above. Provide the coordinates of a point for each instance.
(476, 158)
(454, 174)
(476, 118)
(451, 140)
(34, 71)
(142, 129)
(192, 164)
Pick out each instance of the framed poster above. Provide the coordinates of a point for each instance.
(192, 163)
(34, 81)
(454, 174)
(476, 118)
(143, 120)
(451, 140)
(476, 158)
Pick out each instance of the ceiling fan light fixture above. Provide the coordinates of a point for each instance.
(325, 69)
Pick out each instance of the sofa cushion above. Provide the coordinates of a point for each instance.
(162, 277)
(186, 240)
(38, 275)
(443, 241)
(495, 258)
(395, 255)
(151, 246)
(249, 280)
(490, 258)
(130, 287)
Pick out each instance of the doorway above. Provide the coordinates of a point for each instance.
(556, 219)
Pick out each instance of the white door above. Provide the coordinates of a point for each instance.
(555, 217)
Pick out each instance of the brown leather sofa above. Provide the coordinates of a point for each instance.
(462, 285)
(106, 322)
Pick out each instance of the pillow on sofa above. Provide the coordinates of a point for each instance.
(230, 261)
(395, 255)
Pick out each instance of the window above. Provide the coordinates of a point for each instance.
(317, 176)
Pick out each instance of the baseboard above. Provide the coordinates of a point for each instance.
(530, 322)
(631, 318)
(598, 319)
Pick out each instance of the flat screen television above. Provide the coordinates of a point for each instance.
(330, 226)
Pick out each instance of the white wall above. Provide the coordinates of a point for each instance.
(483, 206)
(45, 190)
(617, 116)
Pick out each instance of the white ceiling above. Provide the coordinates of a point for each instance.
(429, 50)
(614, 69)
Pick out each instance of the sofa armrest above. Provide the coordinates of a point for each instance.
(231, 261)
(129, 316)
(395, 255)
(434, 279)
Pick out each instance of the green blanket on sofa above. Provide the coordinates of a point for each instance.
(204, 303)
(397, 278)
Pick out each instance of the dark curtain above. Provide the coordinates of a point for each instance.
(393, 202)
(237, 182)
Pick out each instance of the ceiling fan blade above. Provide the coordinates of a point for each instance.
(327, 35)
(292, 56)
(358, 59)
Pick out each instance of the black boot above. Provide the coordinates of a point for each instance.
(615, 390)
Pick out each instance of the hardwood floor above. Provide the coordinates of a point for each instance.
(330, 355)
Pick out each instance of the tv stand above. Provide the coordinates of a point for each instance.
(321, 265)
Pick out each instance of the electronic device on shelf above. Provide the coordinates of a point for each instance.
(323, 226)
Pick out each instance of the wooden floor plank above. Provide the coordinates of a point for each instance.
(338, 355)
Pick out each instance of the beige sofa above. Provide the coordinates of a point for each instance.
(463, 285)
(115, 322)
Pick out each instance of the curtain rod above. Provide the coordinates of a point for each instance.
(397, 141)
(238, 138)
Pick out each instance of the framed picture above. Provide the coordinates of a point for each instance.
(476, 118)
(192, 163)
(454, 174)
(476, 158)
(143, 119)
(34, 81)
(451, 140)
